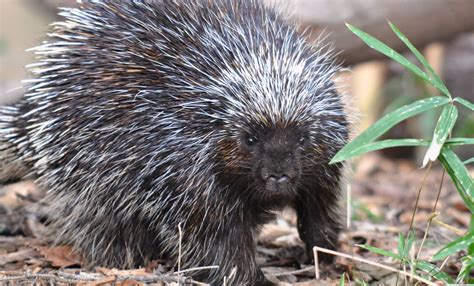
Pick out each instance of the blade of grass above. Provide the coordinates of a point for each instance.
(434, 79)
(434, 271)
(342, 281)
(469, 161)
(409, 243)
(464, 102)
(401, 244)
(454, 246)
(389, 52)
(389, 143)
(466, 266)
(443, 128)
(459, 175)
(380, 251)
(460, 141)
(387, 122)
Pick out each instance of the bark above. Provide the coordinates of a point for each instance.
(423, 21)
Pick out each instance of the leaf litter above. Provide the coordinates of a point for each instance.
(383, 193)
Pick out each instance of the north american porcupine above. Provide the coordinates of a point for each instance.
(145, 115)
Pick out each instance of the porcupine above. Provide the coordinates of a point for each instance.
(144, 116)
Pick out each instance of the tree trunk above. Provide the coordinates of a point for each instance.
(422, 21)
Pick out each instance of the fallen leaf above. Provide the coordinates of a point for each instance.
(60, 256)
(131, 283)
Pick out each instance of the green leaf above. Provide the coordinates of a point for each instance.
(409, 242)
(454, 246)
(433, 271)
(434, 79)
(342, 281)
(389, 52)
(466, 266)
(389, 143)
(459, 175)
(460, 141)
(469, 161)
(464, 102)
(380, 251)
(387, 122)
(405, 244)
(401, 244)
(443, 128)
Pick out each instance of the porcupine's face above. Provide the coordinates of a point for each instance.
(275, 157)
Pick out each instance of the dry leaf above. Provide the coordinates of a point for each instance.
(60, 256)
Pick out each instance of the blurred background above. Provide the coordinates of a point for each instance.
(442, 29)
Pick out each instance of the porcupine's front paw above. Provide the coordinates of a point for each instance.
(317, 229)
(322, 257)
(262, 280)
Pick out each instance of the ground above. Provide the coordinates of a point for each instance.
(383, 194)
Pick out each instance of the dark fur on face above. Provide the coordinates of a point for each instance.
(275, 163)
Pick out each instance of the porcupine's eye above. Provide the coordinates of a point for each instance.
(250, 140)
(303, 138)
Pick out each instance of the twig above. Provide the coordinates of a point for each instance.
(35, 277)
(80, 276)
(431, 217)
(418, 198)
(450, 227)
(316, 249)
(316, 262)
(88, 278)
(348, 278)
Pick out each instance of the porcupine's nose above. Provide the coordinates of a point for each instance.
(276, 176)
(280, 179)
(278, 169)
(277, 182)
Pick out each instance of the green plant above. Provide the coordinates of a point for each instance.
(404, 246)
(361, 211)
(439, 148)
(342, 280)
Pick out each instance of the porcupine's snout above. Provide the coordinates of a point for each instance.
(279, 167)
(279, 171)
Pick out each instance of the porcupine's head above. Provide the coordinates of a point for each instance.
(283, 119)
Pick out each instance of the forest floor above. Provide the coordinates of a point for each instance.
(383, 196)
